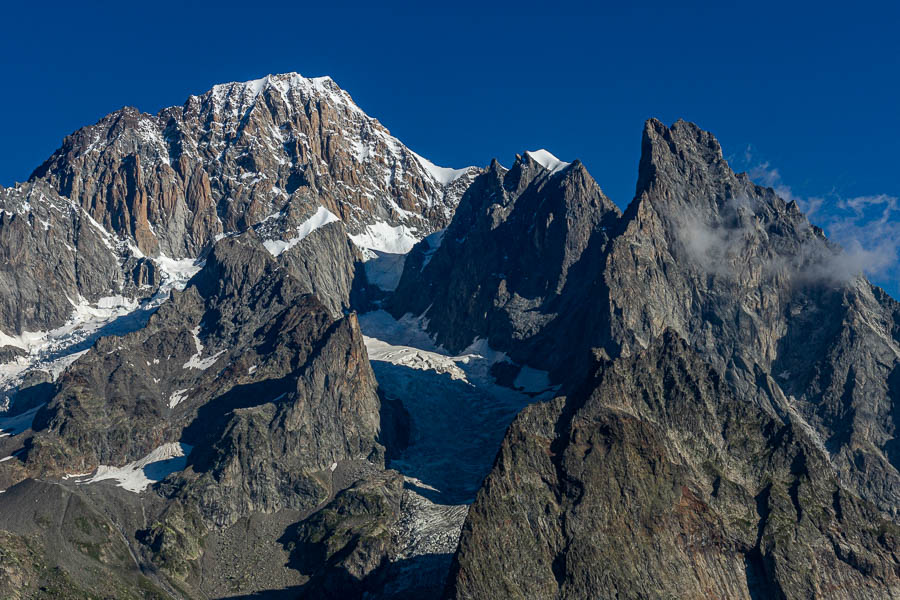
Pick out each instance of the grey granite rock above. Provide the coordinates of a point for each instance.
(244, 366)
(655, 481)
(516, 266)
(730, 266)
(229, 158)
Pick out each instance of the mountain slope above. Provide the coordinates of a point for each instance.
(182, 367)
(137, 200)
(655, 481)
(726, 264)
(513, 265)
(229, 158)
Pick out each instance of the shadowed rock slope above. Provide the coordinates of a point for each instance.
(517, 265)
(733, 269)
(264, 388)
(655, 481)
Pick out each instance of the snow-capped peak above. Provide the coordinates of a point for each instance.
(547, 160)
(282, 82)
(442, 175)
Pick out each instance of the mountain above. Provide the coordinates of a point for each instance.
(516, 266)
(232, 380)
(166, 186)
(763, 299)
(253, 346)
(229, 158)
(728, 265)
(128, 208)
(655, 481)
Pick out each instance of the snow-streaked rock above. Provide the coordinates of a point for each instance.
(138, 475)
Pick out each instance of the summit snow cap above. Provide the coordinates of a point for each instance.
(547, 160)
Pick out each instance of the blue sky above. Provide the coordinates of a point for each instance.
(803, 95)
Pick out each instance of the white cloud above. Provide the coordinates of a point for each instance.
(866, 227)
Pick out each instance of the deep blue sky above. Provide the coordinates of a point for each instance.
(811, 90)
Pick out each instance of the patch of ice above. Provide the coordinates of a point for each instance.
(547, 160)
(54, 350)
(197, 361)
(393, 239)
(177, 397)
(321, 218)
(442, 175)
(383, 269)
(178, 270)
(458, 418)
(434, 242)
(532, 381)
(458, 412)
(156, 466)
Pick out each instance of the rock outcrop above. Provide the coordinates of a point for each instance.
(243, 366)
(655, 481)
(229, 158)
(55, 259)
(727, 264)
(516, 265)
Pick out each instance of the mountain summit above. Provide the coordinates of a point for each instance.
(253, 346)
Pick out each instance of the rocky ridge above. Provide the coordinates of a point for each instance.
(128, 203)
(725, 425)
(727, 264)
(229, 158)
(655, 481)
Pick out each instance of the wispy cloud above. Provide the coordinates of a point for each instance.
(736, 242)
(866, 227)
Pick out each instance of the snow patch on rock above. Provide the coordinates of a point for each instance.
(138, 475)
(547, 160)
(443, 175)
(381, 236)
(322, 217)
(383, 269)
(197, 361)
(177, 397)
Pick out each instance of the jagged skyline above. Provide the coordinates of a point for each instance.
(818, 122)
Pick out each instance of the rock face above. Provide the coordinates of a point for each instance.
(727, 383)
(262, 386)
(345, 546)
(516, 265)
(231, 157)
(755, 291)
(56, 543)
(54, 258)
(655, 481)
(243, 366)
(166, 186)
(728, 265)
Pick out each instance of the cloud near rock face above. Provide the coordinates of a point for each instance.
(734, 240)
(867, 228)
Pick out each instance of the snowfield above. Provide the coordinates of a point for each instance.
(547, 160)
(458, 417)
(54, 350)
(320, 218)
(138, 475)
